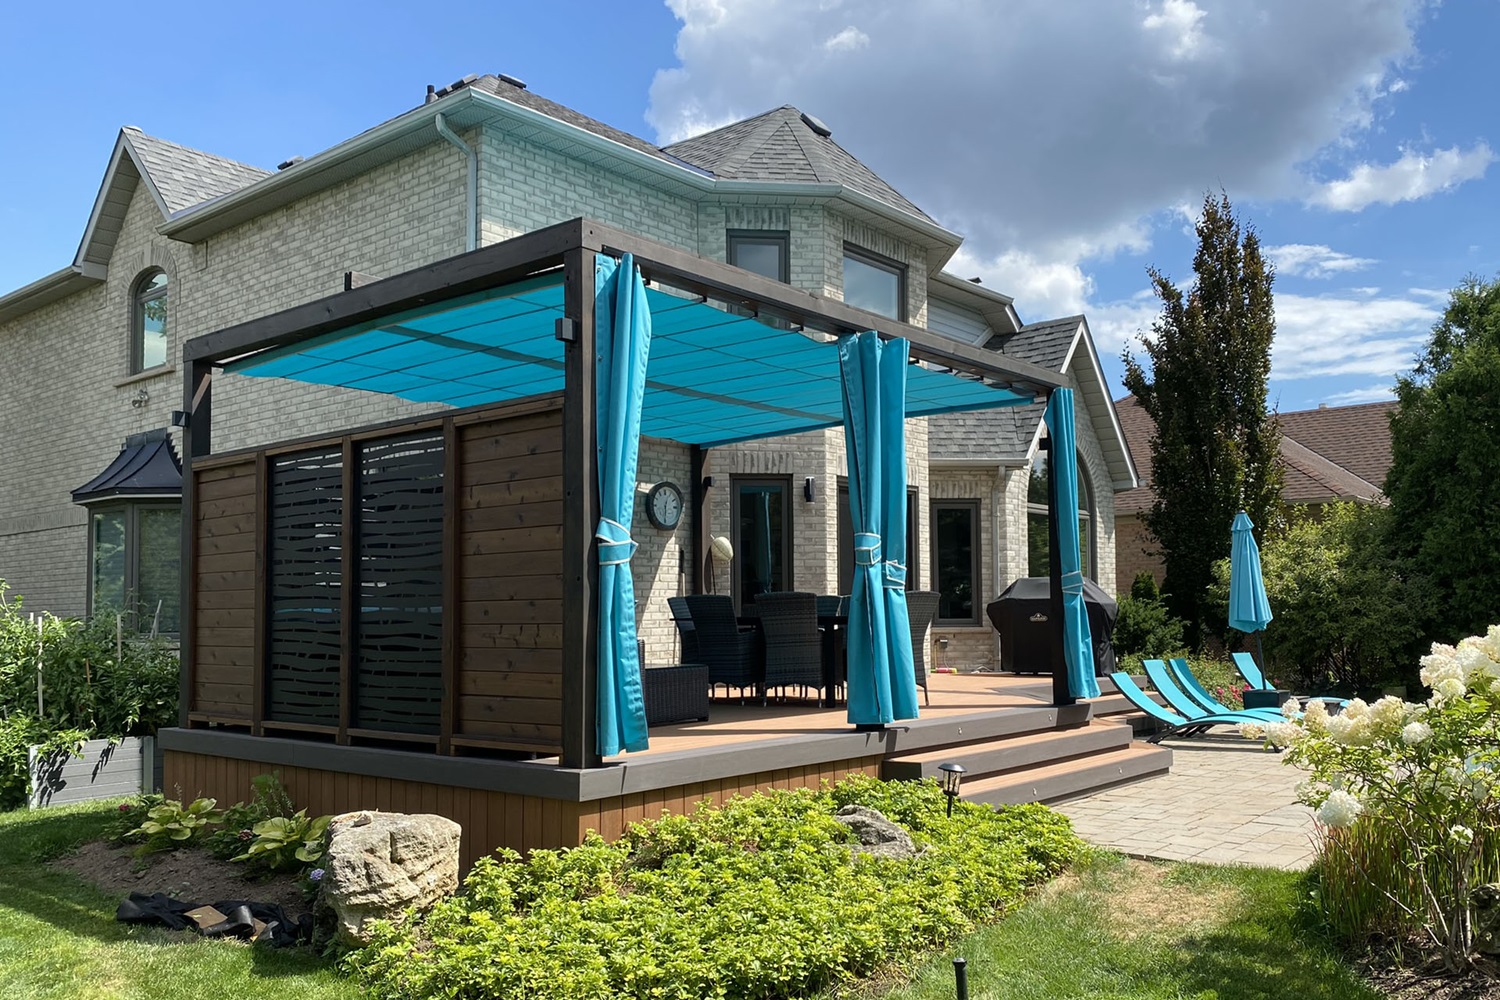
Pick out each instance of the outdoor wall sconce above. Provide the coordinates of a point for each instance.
(810, 489)
(953, 776)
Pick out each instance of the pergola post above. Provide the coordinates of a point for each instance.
(197, 439)
(702, 529)
(1062, 693)
(580, 631)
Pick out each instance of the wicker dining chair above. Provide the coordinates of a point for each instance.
(683, 619)
(921, 608)
(834, 608)
(793, 644)
(732, 655)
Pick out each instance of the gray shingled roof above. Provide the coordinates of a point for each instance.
(186, 177)
(780, 146)
(1046, 344)
(1003, 434)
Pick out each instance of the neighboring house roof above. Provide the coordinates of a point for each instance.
(1009, 436)
(1356, 437)
(784, 144)
(1310, 474)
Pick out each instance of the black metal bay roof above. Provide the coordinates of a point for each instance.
(147, 466)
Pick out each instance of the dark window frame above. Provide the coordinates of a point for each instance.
(843, 521)
(1088, 530)
(976, 550)
(132, 581)
(789, 519)
(141, 296)
(779, 238)
(895, 267)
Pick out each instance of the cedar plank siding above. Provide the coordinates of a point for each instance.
(490, 820)
(224, 550)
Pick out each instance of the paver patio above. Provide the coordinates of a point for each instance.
(1225, 801)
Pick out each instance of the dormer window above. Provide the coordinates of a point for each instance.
(875, 283)
(148, 328)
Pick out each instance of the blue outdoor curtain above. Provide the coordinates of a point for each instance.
(1078, 643)
(882, 681)
(1249, 610)
(622, 331)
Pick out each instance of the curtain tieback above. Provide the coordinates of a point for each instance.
(1072, 583)
(615, 544)
(866, 548)
(895, 575)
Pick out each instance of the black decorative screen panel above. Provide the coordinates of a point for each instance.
(305, 586)
(398, 681)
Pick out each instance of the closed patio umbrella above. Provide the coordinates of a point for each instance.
(1078, 642)
(622, 321)
(1249, 610)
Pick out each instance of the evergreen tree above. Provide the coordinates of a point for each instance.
(1444, 481)
(1215, 446)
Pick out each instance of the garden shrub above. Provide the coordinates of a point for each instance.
(268, 800)
(759, 898)
(1410, 794)
(1145, 627)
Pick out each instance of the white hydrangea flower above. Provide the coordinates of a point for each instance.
(1390, 713)
(1291, 708)
(1461, 835)
(1416, 732)
(1448, 689)
(1252, 731)
(1340, 809)
(1339, 726)
(1284, 734)
(1357, 708)
(1492, 642)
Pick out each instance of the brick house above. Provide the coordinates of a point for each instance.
(181, 243)
(1327, 454)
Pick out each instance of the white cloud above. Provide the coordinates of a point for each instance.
(968, 108)
(1326, 335)
(1314, 260)
(1180, 24)
(1410, 178)
(848, 40)
(1369, 394)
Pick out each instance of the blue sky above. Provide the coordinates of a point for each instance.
(1071, 143)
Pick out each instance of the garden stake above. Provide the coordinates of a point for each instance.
(961, 978)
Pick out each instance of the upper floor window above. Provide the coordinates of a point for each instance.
(765, 252)
(874, 283)
(148, 333)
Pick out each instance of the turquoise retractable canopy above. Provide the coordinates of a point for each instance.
(882, 682)
(622, 325)
(1249, 609)
(714, 377)
(1078, 643)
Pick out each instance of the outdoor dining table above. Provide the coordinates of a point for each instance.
(833, 626)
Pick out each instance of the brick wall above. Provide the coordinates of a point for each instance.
(657, 569)
(1135, 552)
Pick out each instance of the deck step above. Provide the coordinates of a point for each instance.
(1000, 755)
(1071, 777)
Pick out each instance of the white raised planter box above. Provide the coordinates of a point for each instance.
(104, 770)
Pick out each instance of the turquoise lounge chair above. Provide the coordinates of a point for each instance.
(1183, 674)
(1185, 706)
(1177, 724)
(1250, 671)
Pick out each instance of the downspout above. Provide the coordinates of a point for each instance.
(471, 238)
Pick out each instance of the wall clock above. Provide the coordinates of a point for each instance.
(664, 505)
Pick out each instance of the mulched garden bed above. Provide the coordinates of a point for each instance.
(1408, 982)
(186, 874)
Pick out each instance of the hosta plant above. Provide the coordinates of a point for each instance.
(1427, 775)
(172, 825)
(283, 843)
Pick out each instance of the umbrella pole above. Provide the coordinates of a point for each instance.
(1260, 651)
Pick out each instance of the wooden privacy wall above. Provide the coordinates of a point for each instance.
(401, 582)
(490, 820)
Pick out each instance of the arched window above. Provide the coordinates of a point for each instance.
(148, 322)
(1038, 538)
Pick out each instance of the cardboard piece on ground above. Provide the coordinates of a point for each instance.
(205, 917)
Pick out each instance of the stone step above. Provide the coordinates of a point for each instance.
(1071, 777)
(1010, 753)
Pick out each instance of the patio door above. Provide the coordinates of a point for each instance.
(846, 540)
(762, 518)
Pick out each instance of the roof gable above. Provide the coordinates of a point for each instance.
(1357, 438)
(782, 145)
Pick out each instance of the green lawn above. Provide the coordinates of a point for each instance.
(1115, 930)
(58, 936)
(1119, 930)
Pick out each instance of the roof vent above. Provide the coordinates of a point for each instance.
(1322, 406)
(289, 163)
(977, 280)
(816, 125)
(514, 81)
(431, 94)
(457, 85)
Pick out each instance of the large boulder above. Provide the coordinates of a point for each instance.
(877, 835)
(380, 865)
